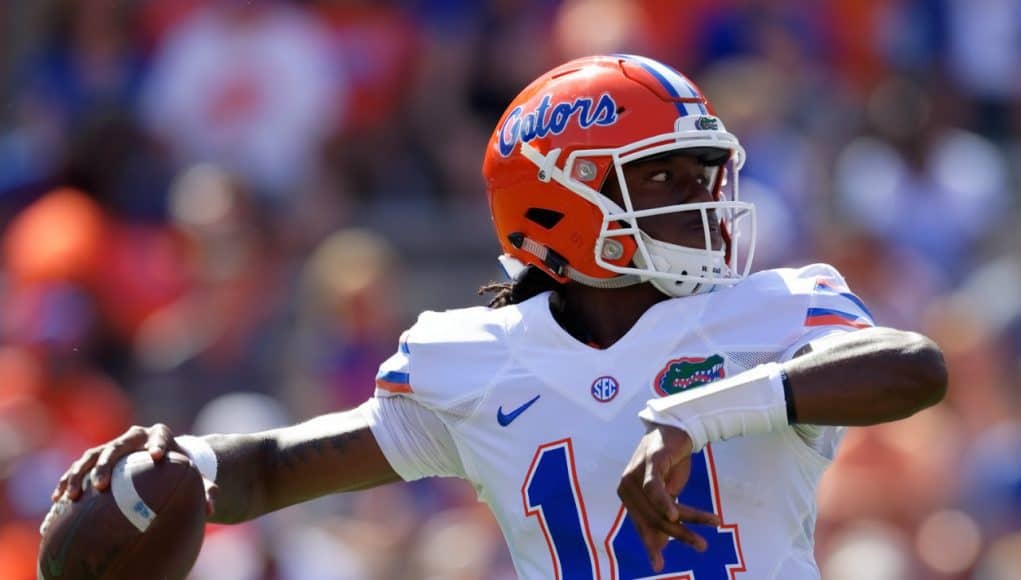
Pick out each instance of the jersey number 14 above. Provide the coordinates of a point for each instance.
(551, 494)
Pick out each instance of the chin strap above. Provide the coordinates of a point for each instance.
(615, 282)
(514, 268)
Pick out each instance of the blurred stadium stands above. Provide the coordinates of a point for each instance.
(220, 214)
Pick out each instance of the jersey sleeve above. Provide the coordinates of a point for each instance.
(832, 303)
(446, 359)
(773, 313)
(438, 374)
(414, 440)
(829, 306)
(394, 376)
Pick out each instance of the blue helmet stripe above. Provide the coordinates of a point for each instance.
(671, 80)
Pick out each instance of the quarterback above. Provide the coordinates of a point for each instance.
(634, 402)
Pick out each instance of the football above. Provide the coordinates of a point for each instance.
(148, 524)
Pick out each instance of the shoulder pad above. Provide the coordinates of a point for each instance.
(447, 357)
(831, 302)
(778, 307)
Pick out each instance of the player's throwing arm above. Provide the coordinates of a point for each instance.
(860, 378)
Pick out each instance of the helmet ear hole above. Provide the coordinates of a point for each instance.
(547, 218)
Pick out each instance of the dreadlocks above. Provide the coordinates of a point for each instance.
(532, 282)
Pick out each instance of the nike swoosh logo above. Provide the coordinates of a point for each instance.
(506, 419)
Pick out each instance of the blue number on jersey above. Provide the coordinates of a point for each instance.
(552, 494)
(713, 564)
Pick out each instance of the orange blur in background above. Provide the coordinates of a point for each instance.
(221, 214)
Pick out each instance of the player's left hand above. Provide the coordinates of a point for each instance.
(655, 476)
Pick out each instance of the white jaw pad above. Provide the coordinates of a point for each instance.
(122, 485)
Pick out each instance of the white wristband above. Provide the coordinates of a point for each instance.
(747, 403)
(201, 454)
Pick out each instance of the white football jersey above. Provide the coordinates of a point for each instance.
(543, 425)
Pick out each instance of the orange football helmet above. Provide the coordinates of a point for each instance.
(553, 149)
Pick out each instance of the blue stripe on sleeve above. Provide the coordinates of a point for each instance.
(857, 302)
(394, 377)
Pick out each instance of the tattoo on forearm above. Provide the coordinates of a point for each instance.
(269, 471)
(293, 456)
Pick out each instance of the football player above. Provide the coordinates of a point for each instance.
(631, 318)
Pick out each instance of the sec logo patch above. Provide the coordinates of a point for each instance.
(604, 389)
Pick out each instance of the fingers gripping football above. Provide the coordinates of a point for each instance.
(101, 460)
(70, 482)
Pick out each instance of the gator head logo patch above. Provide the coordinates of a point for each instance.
(686, 373)
(707, 124)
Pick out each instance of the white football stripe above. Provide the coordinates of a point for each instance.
(122, 485)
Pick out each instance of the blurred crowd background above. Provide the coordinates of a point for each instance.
(221, 214)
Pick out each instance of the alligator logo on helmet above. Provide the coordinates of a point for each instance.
(707, 124)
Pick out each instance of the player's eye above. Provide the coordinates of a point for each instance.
(660, 177)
